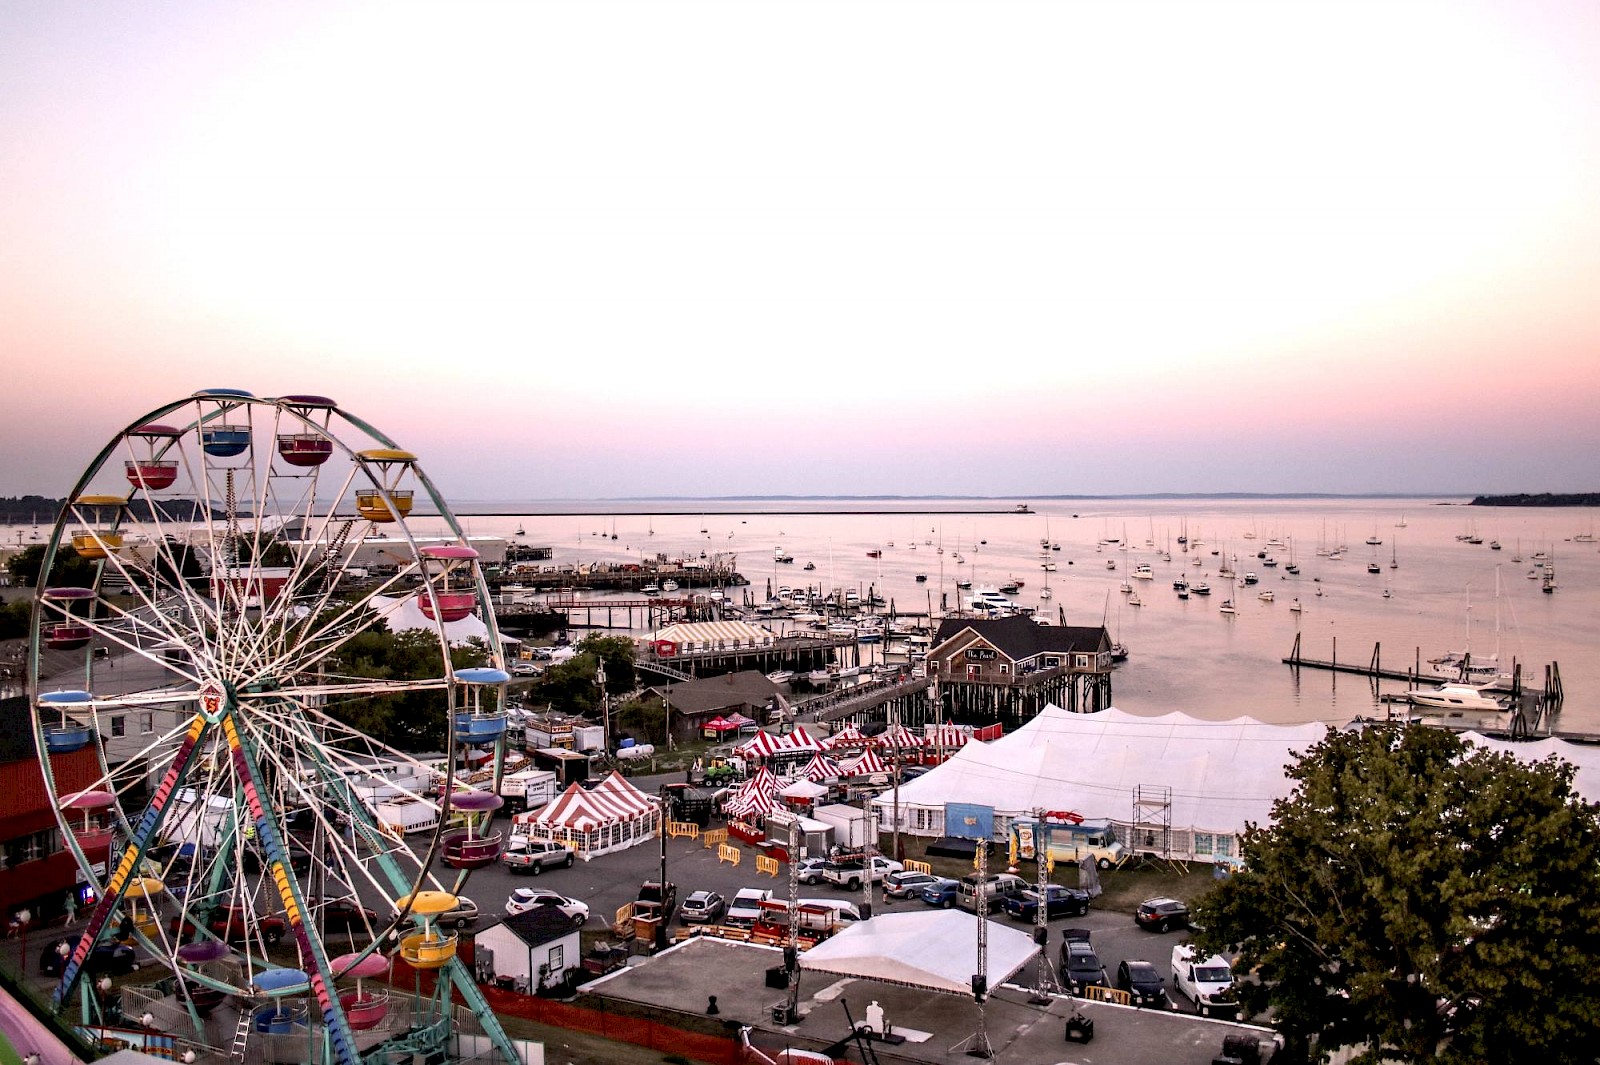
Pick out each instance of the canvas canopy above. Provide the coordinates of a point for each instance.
(613, 816)
(921, 950)
(864, 763)
(849, 736)
(1222, 774)
(821, 767)
(1584, 758)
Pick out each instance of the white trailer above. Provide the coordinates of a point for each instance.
(529, 789)
(406, 816)
(851, 831)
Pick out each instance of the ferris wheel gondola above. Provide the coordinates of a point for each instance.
(205, 714)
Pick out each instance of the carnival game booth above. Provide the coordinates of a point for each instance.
(613, 816)
(1175, 786)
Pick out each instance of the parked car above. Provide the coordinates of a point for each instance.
(942, 892)
(1143, 982)
(703, 907)
(1059, 901)
(745, 908)
(810, 869)
(534, 856)
(463, 914)
(342, 914)
(906, 884)
(107, 959)
(235, 924)
(524, 899)
(998, 888)
(1080, 965)
(1207, 982)
(1161, 914)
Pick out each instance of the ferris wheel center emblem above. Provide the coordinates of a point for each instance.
(211, 701)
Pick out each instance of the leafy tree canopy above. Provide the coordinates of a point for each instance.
(1418, 899)
(570, 686)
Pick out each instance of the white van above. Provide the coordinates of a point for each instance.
(845, 911)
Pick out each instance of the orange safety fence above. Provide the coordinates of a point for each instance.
(766, 865)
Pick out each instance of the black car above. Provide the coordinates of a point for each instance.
(107, 959)
(1143, 982)
(1080, 965)
(1162, 914)
(1059, 901)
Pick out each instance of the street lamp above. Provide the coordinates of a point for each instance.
(605, 700)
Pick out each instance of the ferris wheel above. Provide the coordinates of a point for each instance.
(228, 760)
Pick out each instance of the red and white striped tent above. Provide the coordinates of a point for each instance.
(614, 816)
(755, 804)
(801, 740)
(764, 745)
(821, 767)
(867, 762)
(899, 736)
(761, 746)
(849, 736)
(949, 735)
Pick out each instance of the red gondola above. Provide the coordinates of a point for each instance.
(304, 449)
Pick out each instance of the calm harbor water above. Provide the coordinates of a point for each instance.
(1184, 654)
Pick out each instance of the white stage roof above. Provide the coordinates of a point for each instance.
(936, 950)
(1222, 773)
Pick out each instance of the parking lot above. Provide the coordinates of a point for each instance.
(611, 881)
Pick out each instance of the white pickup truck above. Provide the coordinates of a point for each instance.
(1207, 981)
(850, 875)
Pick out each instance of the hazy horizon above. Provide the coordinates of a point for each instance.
(633, 249)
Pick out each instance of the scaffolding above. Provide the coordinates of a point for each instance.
(1151, 826)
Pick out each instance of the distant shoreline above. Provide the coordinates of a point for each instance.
(1539, 499)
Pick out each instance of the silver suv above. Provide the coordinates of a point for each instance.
(535, 856)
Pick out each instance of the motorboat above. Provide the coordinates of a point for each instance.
(1457, 697)
(1143, 572)
(1266, 596)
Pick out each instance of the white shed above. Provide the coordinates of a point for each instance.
(536, 949)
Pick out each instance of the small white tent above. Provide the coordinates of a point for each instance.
(922, 950)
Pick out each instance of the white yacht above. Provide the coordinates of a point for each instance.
(1457, 697)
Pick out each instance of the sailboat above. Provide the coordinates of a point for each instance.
(1394, 560)
(1462, 665)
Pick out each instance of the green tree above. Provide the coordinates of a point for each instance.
(409, 721)
(1418, 899)
(70, 571)
(570, 686)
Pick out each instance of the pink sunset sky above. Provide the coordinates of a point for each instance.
(610, 249)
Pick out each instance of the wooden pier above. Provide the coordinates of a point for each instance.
(1532, 705)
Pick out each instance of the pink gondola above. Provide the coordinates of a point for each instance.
(152, 474)
(473, 849)
(453, 606)
(67, 636)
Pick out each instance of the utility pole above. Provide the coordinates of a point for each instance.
(605, 701)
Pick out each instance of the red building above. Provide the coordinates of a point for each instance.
(36, 869)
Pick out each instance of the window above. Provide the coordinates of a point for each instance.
(558, 960)
(1224, 846)
(119, 725)
(1203, 844)
(1004, 669)
(147, 723)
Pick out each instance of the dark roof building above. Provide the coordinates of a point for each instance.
(694, 702)
(1007, 669)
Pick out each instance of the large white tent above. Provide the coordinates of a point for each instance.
(1584, 757)
(921, 950)
(1219, 775)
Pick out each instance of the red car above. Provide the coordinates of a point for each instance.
(235, 924)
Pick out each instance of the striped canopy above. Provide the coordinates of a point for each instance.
(613, 799)
(864, 763)
(821, 767)
(949, 734)
(849, 736)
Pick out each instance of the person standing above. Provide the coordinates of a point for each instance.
(70, 906)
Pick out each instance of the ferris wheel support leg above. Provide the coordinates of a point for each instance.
(132, 855)
(474, 1001)
(320, 976)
